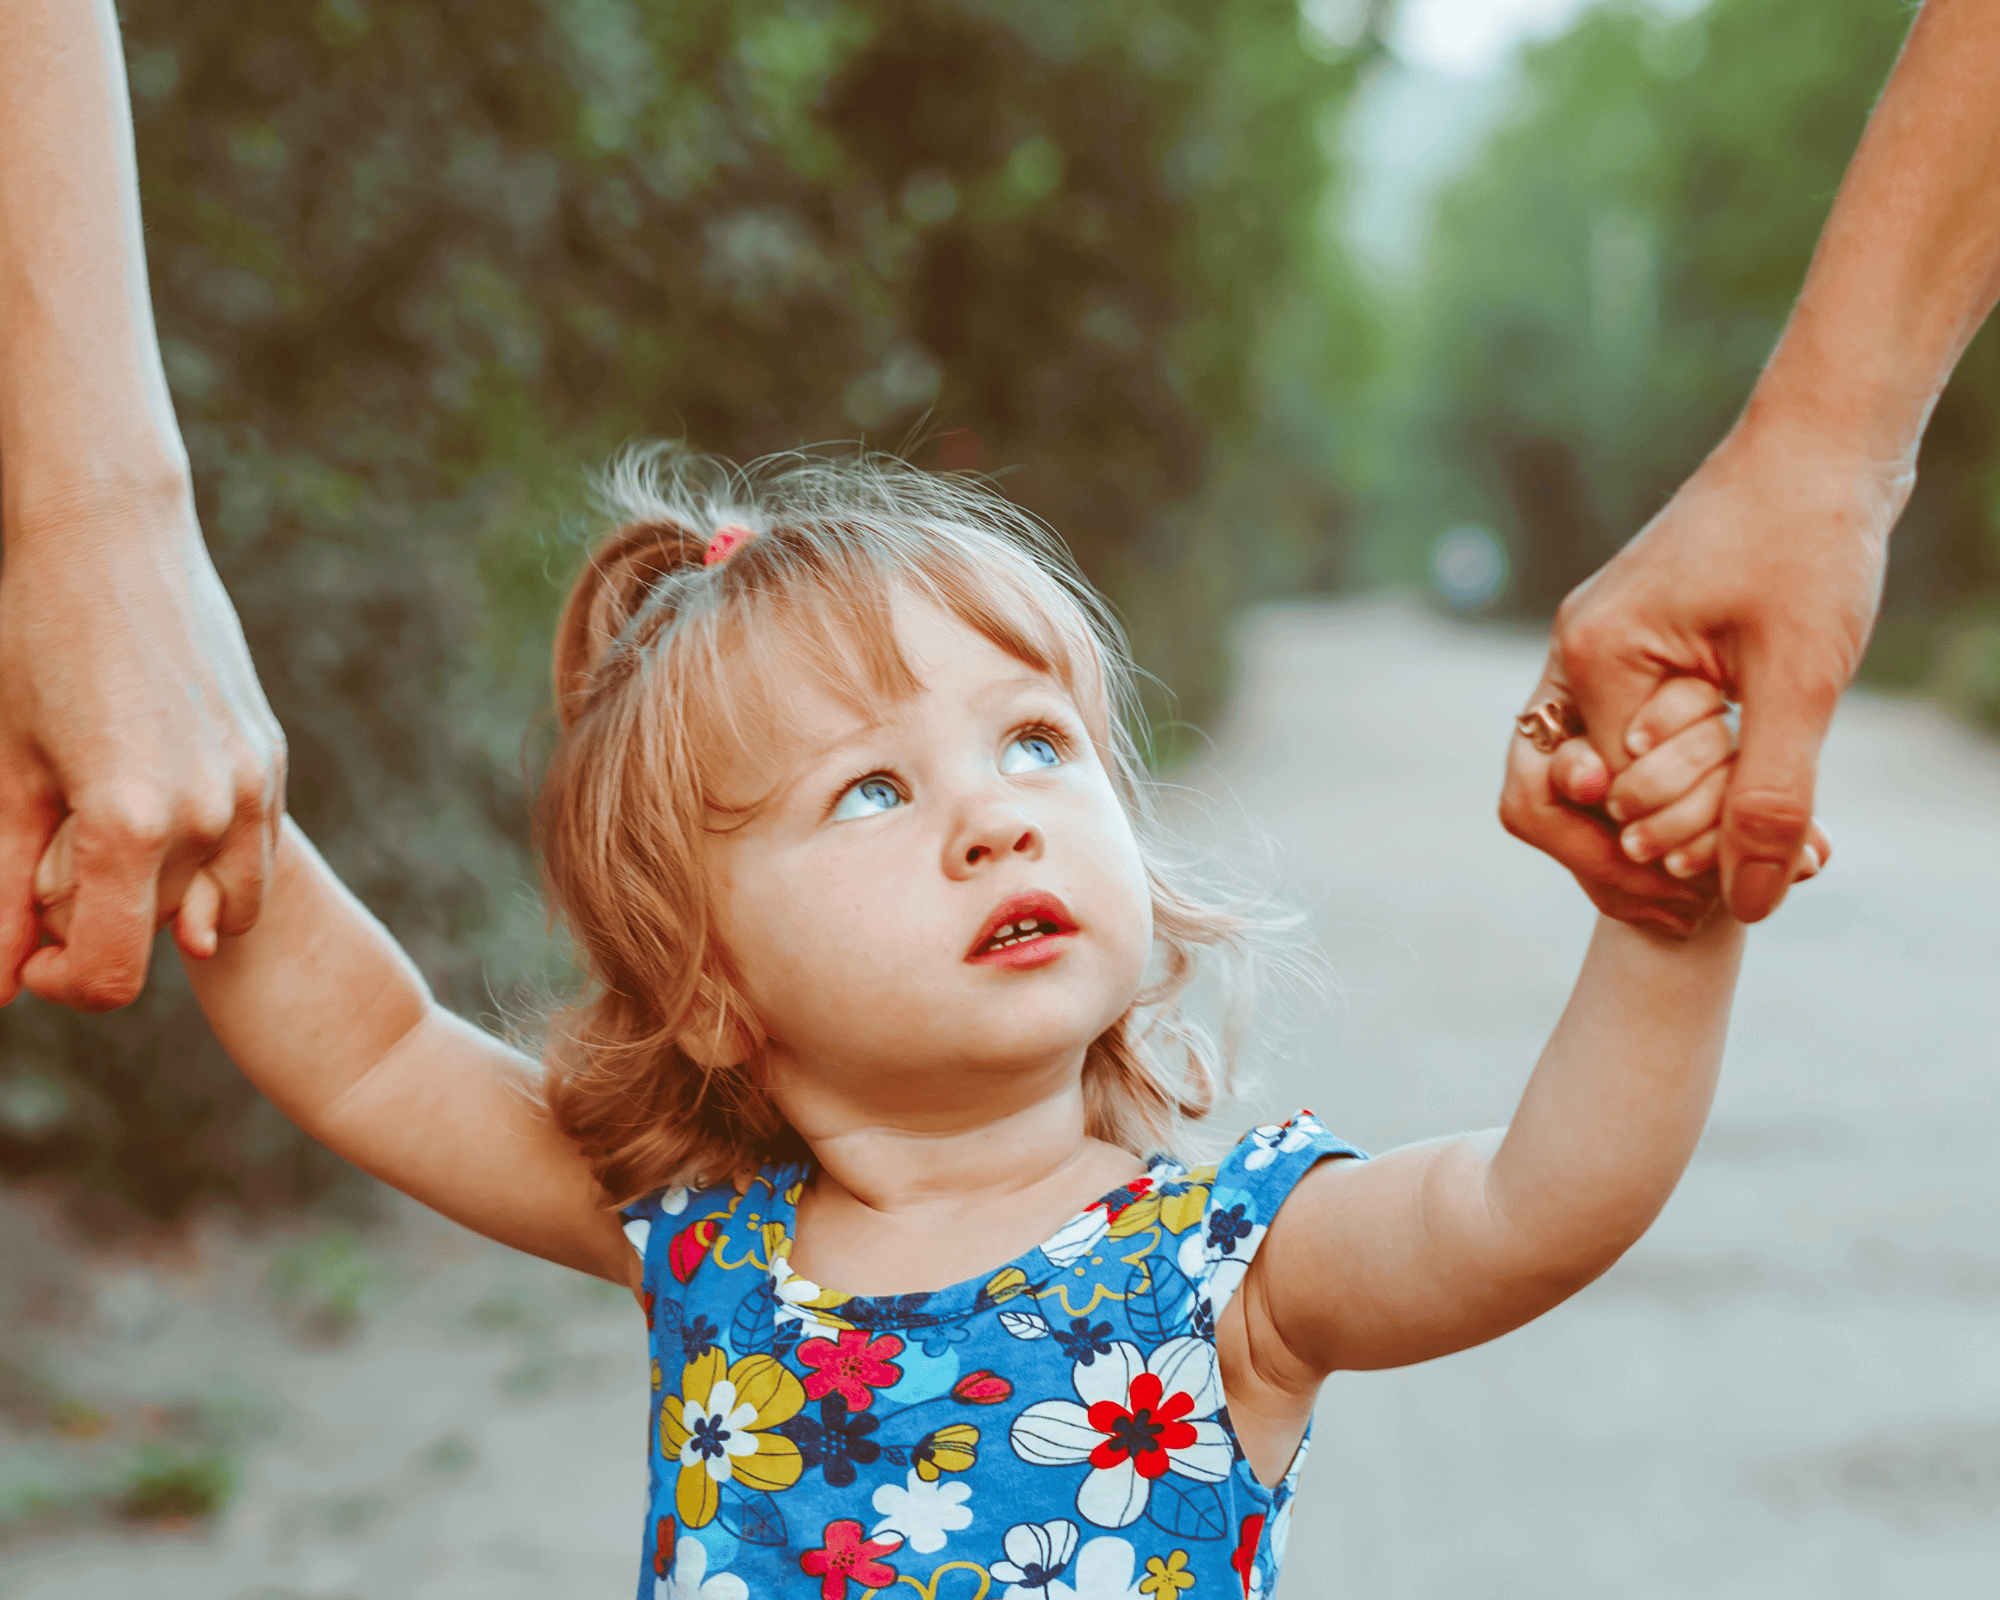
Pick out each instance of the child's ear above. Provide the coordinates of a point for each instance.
(720, 1031)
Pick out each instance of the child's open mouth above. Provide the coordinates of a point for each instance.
(1024, 931)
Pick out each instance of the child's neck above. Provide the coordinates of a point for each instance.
(901, 1205)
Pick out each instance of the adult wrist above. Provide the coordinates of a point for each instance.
(1786, 430)
(1834, 400)
(130, 485)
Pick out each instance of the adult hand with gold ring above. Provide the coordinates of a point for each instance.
(1642, 846)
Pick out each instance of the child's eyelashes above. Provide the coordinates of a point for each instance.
(1032, 749)
(867, 797)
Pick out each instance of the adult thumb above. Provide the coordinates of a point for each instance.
(1769, 806)
(1609, 688)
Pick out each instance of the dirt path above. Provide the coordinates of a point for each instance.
(1792, 1388)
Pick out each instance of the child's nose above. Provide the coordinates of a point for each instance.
(989, 834)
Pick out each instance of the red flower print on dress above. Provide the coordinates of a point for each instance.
(1144, 1428)
(663, 1548)
(854, 1368)
(1116, 1202)
(981, 1388)
(1245, 1559)
(689, 1248)
(1141, 1417)
(844, 1555)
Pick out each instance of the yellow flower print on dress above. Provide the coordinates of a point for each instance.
(1164, 1580)
(952, 1448)
(717, 1429)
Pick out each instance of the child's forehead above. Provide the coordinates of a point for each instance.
(804, 709)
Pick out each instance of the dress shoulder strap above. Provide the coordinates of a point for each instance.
(672, 1230)
(1245, 1191)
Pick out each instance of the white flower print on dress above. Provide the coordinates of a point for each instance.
(1104, 1571)
(1078, 1237)
(1216, 1255)
(1141, 1418)
(1281, 1533)
(923, 1513)
(801, 1300)
(719, 1431)
(1037, 1554)
(1280, 1139)
(672, 1202)
(690, 1581)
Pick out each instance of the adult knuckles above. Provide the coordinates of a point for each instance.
(123, 823)
(92, 981)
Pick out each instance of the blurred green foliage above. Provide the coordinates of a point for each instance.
(419, 264)
(1605, 282)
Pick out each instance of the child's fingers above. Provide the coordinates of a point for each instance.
(1535, 811)
(55, 880)
(1670, 769)
(1697, 856)
(1687, 818)
(196, 921)
(1675, 705)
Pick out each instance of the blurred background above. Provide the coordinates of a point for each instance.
(1339, 338)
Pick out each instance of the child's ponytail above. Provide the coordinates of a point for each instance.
(594, 642)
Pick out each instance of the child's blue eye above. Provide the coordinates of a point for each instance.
(1029, 753)
(868, 798)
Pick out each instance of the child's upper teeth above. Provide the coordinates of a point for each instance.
(1002, 931)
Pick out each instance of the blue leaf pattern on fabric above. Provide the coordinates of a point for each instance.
(1188, 1510)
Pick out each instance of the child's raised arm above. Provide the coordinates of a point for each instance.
(324, 1012)
(1442, 1245)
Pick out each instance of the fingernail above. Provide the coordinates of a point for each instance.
(1638, 741)
(1615, 809)
(1759, 886)
(1633, 843)
(1677, 864)
(1812, 865)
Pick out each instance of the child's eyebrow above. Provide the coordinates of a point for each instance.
(813, 755)
(1030, 679)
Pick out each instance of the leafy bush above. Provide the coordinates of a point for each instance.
(1606, 281)
(416, 264)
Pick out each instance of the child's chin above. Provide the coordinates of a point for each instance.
(1030, 1032)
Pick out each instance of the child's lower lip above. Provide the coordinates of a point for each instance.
(1034, 953)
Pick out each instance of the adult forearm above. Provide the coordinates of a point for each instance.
(85, 414)
(1908, 265)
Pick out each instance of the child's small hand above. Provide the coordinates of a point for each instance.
(195, 918)
(1668, 802)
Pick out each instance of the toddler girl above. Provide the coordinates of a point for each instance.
(872, 1098)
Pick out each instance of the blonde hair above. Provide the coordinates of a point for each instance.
(662, 662)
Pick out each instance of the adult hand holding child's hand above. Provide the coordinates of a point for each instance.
(1761, 577)
(1643, 843)
(131, 703)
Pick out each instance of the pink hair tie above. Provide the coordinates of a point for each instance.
(725, 539)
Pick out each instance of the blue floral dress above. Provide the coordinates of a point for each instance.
(1052, 1431)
